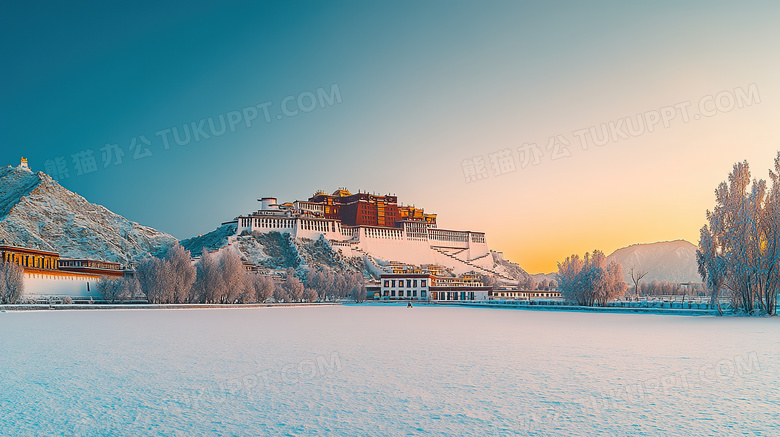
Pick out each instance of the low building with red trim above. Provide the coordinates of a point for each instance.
(48, 275)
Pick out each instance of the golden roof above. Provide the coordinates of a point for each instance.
(342, 192)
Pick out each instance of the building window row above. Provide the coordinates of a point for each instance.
(461, 237)
(410, 283)
(405, 293)
(318, 225)
(273, 223)
(394, 234)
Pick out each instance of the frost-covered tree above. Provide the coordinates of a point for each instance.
(293, 286)
(11, 282)
(119, 289)
(569, 278)
(358, 292)
(264, 287)
(608, 281)
(280, 292)
(168, 279)
(340, 286)
(249, 291)
(234, 277)
(110, 289)
(739, 249)
(590, 279)
(526, 283)
(310, 295)
(182, 273)
(209, 281)
(325, 285)
(152, 274)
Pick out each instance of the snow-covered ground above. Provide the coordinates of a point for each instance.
(385, 370)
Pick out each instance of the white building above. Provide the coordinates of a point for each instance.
(426, 287)
(47, 275)
(414, 238)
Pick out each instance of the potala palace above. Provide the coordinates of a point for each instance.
(373, 226)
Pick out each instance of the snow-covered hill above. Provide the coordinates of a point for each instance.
(37, 212)
(673, 261)
(275, 251)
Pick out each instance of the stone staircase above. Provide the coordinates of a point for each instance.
(474, 266)
(480, 257)
(371, 260)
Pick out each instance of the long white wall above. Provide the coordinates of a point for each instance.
(45, 285)
(297, 227)
(415, 243)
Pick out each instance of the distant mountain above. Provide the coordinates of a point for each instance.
(539, 277)
(673, 261)
(37, 212)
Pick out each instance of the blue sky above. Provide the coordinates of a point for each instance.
(423, 86)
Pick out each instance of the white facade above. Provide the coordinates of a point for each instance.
(426, 287)
(42, 285)
(415, 242)
(405, 287)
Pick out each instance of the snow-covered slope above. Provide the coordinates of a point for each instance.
(37, 212)
(673, 261)
(508, 269)
(276, 251)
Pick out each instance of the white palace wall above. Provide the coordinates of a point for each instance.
(415, 243)
(41, 285)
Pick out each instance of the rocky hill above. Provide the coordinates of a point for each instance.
(275, 251)
(38, 212)
(672, 261)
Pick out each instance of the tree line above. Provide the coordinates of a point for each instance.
(666, 288)
(220, 278)
(530, 284)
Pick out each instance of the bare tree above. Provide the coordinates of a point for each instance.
(636, 277)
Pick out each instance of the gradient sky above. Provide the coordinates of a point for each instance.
(423, 85)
